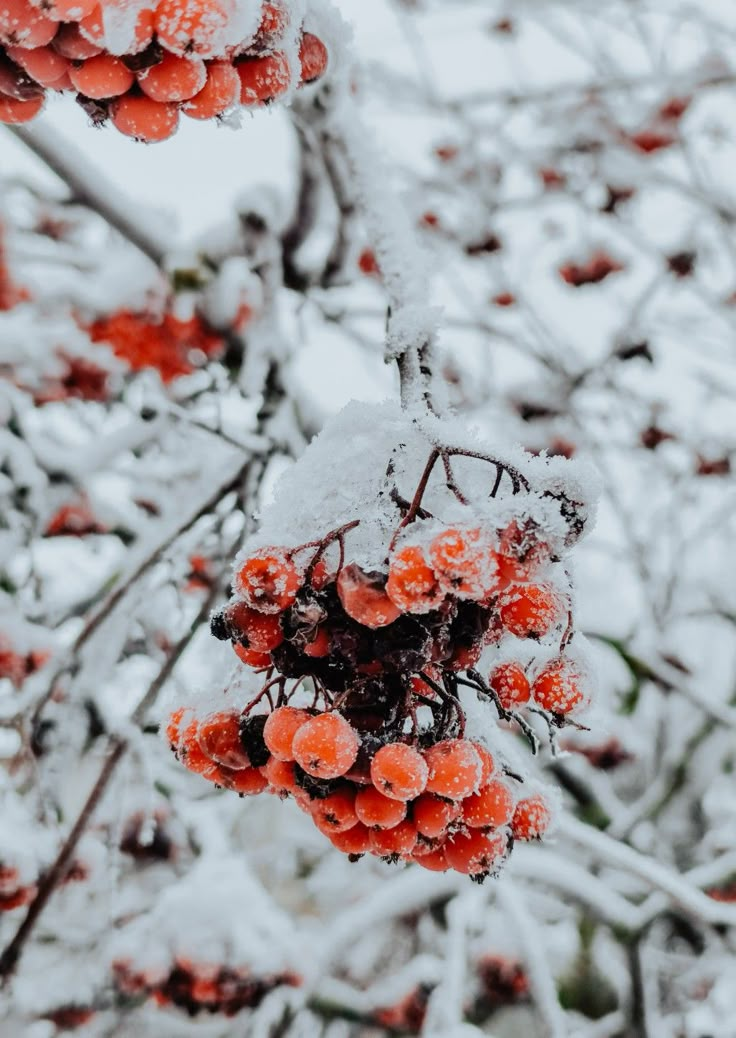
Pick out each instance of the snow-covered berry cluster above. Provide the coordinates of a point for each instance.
(144, 63)
(374, 643)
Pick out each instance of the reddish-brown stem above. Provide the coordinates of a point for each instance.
(418, 495)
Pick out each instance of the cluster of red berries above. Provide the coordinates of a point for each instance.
(171, 346)
(13, 893)
(177, 57)
(445, 805)
(200, 988)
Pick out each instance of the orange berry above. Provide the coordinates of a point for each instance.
(530, 610)
(92, 27)
(435, 859)
(219, 738)
(144, 119)
(66, 10)
(463, 562)
(42, 63)
(378, 811)
(274, 20)
(101, 77)
(432, 814)
(269, 581)
(22, 25)
(399, 771)
(15, 112)
(321, 574)
(313, 57)
(336, 812)
(252, 658)
(262, 631)
(488, 764)
(400, 839)
(280, 775)
(455, 769)
(531, 818)
(174, 78)
(363, 597)
(281, 726)
(464, 656)
(326, 746)
(190, 26)
(220, 92)
(493, 805)
(173, 727)
(412, 584)
(355, 840)
(475, 853)
(263, 79)
(70, 42)
(557, 687)
(191, 755)
(319, 647)
(246, 781)
(511, 685)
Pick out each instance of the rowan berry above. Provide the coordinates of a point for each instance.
(269, 581)
(263, 79)
(191, 755)
(400, 839)
(321, 574)
(43, 64)
(432, 814)
(174, 725)
(378, 811)
(530, 610)
(190, 26)
(246, 781)
(101, 77)
(261, 631)
(252, 658)
(66, 10)
(15, 112)
(70, 42)
(464, 656)
(220, 92)
(488, 764)
(281, 776)
(463, 563)
(144, 119)
(493, 805)
(274, 20)
(511, 685)
(455, 769)
(281, 726)
(20, 897)
(435, 859)
(520, 552)
(557, 687)
(475, 853)
(412, 584)
(174, 78)
(326, 746)
(92, 27)
(399, 771)
(355, 840)
(319, 647)
(336, 812)
(313, 57)
(363, 597)
(531, 818)
(22, 25)
(219, 739)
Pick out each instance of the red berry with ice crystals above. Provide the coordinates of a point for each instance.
(364, 598)
(531, 818)
(269, 581)
(326, 746)
(455, 769)
(511, 685)
(558, 687)
(530, 610)
(412, 585)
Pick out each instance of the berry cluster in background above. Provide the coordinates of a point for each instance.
(142, 65)
(370, 644)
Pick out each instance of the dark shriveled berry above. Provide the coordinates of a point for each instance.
(251, 737)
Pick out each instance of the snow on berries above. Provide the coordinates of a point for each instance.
(399, 614)
(141, 65)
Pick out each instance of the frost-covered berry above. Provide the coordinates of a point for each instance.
(488, 764)
(174, 78)
(248, 782)
(191, 754)
(363, 597)
(455, 769)
(264, 78)
(281, 776)
(269, 581)
(399, 839)
(102, 76)
(493, 805)
(511, 685)
(432, 814)
(475, 853)
(258, 630)
(463, 562)
(531, 818)
(219, 739)
(144, 119)
(252, 658)
(412, 585)
(190, 26)
(399, 771)
(353, 841)
(335, 813)
(530, 610)
(281, 727)
(219, 93)
(23, 25)
(557, 687)
(326, 746)
(378, 811)
(432, 858)
(313, 57)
